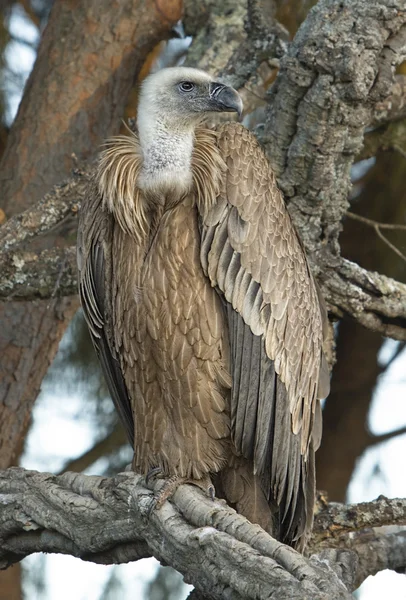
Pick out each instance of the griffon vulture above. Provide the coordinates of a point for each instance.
(204, 314)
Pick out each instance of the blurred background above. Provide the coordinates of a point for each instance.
(364, 442)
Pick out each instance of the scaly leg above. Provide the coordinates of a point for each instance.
(171, 485)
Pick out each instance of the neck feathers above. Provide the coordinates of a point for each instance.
(118, 170)
(167, 152)
(121, 179)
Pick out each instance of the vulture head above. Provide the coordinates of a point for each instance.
(172, 104)
(183, 95)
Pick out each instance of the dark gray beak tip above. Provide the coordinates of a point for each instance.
(226, 98)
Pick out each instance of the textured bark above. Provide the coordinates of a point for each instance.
(107, 521)
(370, 552)
(389, 137)
(394, 105)
(218, 29)
(51, 211)
(329, 83)
(336, 519)
(87, 61)
(238, 41)
(30, 275)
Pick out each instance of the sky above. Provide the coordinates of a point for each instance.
(55, 423)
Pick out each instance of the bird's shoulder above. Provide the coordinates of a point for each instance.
(236, 138)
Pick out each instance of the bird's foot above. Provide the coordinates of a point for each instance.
(205, 484)
(171, 485)
(152, 473)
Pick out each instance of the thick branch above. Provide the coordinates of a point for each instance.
(388, 137)
(324, 97)
(337, 519)
(375, 301)
(31, 276)
(217, 29)
(372, 551)
(51, 211)
(230, 558)
(107, 520)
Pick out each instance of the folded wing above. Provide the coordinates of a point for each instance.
(250, 251)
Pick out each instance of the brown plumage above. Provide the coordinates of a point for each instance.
(204, 313)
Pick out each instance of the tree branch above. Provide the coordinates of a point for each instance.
(377, 227)
(387, 137)
(374, 300)
(393, 107)
(372, 551)
(61, 203)
(107, 520)
(372, 223)
(113, 441)
(324, 97)
(337, 519)
(44, 275)
(385, 437)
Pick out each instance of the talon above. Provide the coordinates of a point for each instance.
(212, 492)
(205, 484)
(168, 489)
(152, 473)
(171, 485)
(151, 507)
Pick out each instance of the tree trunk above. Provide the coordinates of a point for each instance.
(10, 583)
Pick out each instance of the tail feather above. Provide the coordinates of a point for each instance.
(242, 490)
(291, 521)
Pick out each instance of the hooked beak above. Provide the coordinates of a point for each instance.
(225, 98)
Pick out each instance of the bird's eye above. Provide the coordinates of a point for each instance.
(186, 86)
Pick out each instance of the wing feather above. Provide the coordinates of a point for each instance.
(250, 251)
(94, 263)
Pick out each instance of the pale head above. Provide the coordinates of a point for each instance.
(182, 96)
(172, 103)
